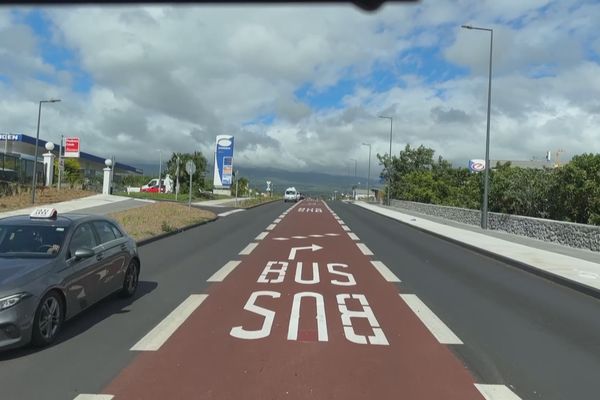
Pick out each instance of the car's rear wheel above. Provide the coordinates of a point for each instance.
(130, 283)
(48, 319)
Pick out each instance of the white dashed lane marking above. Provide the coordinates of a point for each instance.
(224, 271)
(94, 397)
(431, 321)
(496, 392)
(248, 249)
(271, 227)
(262, 235)
(365, 250)
(387, 274)
(353, 236)
(161, 333)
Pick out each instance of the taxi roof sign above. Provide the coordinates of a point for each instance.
(44, 212)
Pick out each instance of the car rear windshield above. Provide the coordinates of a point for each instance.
(31, 241)
(290, 192)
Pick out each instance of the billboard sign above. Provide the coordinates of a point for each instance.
(9, 137)
(72, 147)
(477, 165)
(223, 162)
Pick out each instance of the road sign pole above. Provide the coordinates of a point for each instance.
(190, 198)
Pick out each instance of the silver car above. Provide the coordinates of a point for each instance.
(52, 267)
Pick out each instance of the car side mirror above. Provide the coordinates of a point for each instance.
(83, 252)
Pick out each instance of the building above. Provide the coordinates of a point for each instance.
(536, 164)
(17, 152)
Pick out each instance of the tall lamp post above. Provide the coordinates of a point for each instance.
(486, 184)
(37, 138)
(369, 173)
(159, 170)
(389, 167)
(355, 165)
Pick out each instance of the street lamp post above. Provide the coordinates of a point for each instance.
(159, 170)
(369, 173)
(390, 166)
(486, 184)
(37, 138)
(355, 165)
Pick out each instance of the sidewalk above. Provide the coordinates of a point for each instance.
(579, 266)
(99, 200)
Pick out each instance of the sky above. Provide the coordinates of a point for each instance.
(301, 87)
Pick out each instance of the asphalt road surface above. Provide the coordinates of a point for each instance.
(306, 301)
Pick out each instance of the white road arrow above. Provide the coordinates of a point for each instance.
(293, 251)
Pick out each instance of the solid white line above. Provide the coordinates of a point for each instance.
(365, 250)
(224, 214)
(224, 271)
(353, 236)
(248, 249)
(344, 227)
(161, 332)
(496, 392)
(431, 321)
(278, 220)
(387, 274)
(262, 235)
(270, 227)
(94, 397)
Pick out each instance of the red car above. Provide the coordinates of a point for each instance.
(152, 186)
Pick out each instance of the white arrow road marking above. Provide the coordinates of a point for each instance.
(293, 251)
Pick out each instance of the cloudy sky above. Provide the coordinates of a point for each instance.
(301, 87)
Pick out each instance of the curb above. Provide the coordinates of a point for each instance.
(580, 287)
(149, 240)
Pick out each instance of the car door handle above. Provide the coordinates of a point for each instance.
(124, 247)
(99, 257)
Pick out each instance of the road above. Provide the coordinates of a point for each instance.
(304, 302)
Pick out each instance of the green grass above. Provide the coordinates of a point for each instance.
(182, 198)
(258, 200)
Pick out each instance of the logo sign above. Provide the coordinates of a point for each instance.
(223, 162)
(477, 165)
(72, 147)
(9, 137)
(190, 167)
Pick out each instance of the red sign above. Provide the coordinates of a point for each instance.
(72, 147)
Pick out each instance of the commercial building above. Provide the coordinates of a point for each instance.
(17, 153)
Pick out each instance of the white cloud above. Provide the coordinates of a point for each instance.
(174, 77)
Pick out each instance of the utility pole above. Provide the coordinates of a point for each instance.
(369, 173)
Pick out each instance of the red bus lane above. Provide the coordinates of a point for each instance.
(304, 315)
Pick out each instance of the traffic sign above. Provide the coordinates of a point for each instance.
(190, 167)
(72, 147)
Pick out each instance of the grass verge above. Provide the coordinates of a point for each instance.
(181, 198)
(42, 196)
(255, 201)
(159, 218)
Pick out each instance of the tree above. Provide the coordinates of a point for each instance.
(198, 181)
(575, 191)
(73, 173)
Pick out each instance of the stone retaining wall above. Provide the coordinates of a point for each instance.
(565, 233)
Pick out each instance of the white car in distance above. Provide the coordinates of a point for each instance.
(291, 194)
